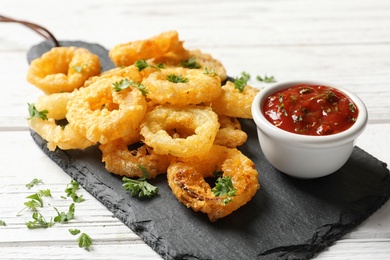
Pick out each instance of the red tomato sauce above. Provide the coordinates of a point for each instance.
(310, 110)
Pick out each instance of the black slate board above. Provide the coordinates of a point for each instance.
(287, 219)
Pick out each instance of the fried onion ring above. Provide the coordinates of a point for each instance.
(120, 160)
(105, 115)
(63, 69)
(64, 137)
(205, 60)
(233, 103)
(128, 53)
(186, 178)
(198, 88)
(179, 131)
(230, 133)
(55, 104)
(124, 72)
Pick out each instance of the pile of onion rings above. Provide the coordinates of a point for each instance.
(174, 103)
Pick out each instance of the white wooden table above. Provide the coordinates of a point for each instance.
(345, 42)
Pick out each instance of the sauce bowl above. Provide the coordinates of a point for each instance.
(306, 156)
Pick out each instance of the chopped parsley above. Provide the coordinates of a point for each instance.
(266, 79)
(34, 182)
(210, 72)
(125, 83)
(176, 78)
(141, 64)
(39, 222)
(140, 187)
(2, 223)
(241, 82)
(33, 112)
(84, 241)
(71, 189)
(224, 186)
(74, 231)
(190, 64)
(79, 68)
(64, 217)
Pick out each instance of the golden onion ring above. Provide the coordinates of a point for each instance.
(120, 160)
(233, 103)
(104, 115)
(55, 104)
(230, 133)
(64, 137)
(198, 87)
(63, 69)
(128, 53)
(186, 178)
(180, 131)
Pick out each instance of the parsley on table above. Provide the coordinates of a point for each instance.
(266, 79)
(176, 78)
(140, 187)
(224, 186)
(74, 231)
(39, 222)
(64, 217)
(2, 223)
(84, 241)
(34, 182)
(190, 64)
(71, 189)
(33, 112)
(241, 82)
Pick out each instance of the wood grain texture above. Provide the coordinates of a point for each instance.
(344, 42)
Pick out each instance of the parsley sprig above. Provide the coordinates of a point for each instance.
(33, 112)
(142, 64)
(34, 182)
(224, 186)
(79, 69)
(242, 81)
(125, 83)
(39, 222)
(210, 72)
(65, 217)
(71, 190)
(266, 79)
(190, 64)
(176, 78)
(140, 187)
(84, 241)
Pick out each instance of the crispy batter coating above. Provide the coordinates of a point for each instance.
(180, 131)
(63, 69)
(198, 87)
(233, 103)
(55, 104)
(64, 137)
(104, 115)
(186, 178)
(120, 160)
(230, 133)
(128, 53)
(205, 60)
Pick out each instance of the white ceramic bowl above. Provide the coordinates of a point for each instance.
(305, 156)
